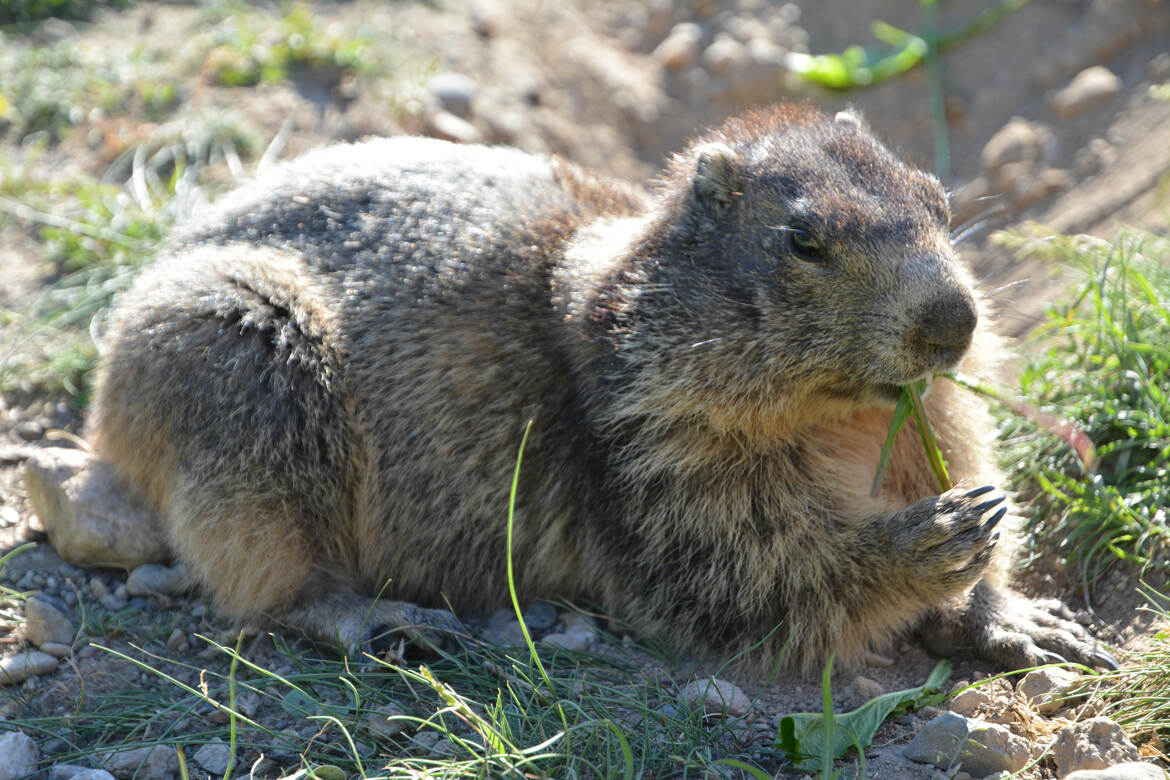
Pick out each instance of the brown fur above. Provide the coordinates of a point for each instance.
(323, 388)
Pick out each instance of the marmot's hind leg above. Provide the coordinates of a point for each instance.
(220, 401)
(329, 610)
(1012, 631)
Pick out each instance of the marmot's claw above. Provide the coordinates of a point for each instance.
(1105, 660)
(993, 521)
(1049, 657)
(982, 491)
(988, 504)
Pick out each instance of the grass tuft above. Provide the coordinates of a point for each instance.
(1105, 366)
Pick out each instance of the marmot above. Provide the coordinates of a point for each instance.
(322, 386)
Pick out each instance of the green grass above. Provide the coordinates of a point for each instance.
(1105, 367)
(248, 49)
(16, 11)
(1138, 695)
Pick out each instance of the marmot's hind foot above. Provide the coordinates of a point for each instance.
(1015, 632)
(332, 612)
(393, 621)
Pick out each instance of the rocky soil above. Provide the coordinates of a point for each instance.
(1054, 115)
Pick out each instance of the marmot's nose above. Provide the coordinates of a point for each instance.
(947, 322)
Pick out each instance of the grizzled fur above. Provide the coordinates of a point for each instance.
(323, 388)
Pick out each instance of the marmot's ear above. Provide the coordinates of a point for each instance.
(716, 180)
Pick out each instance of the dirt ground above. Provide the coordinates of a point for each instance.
(590, 80)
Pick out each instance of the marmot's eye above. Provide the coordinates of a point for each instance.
(803, 245)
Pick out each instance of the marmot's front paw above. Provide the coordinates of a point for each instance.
(1016, 632)
(946, 541)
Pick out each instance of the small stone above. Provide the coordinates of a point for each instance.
(247, 704)
(576, 623)
(47, 620)
(540, 617)
(970, 701)
(1017, 141)
(576, 643)
(716, 696)
(1088, 89)
(507, 634)
(18, 668)
(445, 125)
(18, 756)
(14, 453)
(89, 513)
(454, 92)
(939, 742)
(57, 649)
(71, 771)
(214, 757)
(98, 588)
(865, 689)
(113, 602)
(30, 430)
(92, 774)
(993, 748)
(9, 516)
(388, 721)
(158, 579)
(159, 762)
(724, 55)
(177, 642)
(1047, 689)
(1131, 770)
(680, 48)
(1092, 744)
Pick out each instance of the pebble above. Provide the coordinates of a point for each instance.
(70, 771)
(214, 757)
(87, 512)
(30, 430)
(18, 755)
(1047, 689)
(454, 92)
(1092, 744)
(57, 649)
(388, 720)
(445, 125)
(1131, 770)
(92, 774)
(9, 516)
(716, 697)
(1088, 89)
(724, 55)
(18, 668)
(865, 689)
(540, 616)
(981, 748)
(159, 762)
(507, 634)
(112, 602)
(576, 643)
(970, 701)
(47, 620)
(154, 578)
(1019, 141)
(680, 48)
(576, 623)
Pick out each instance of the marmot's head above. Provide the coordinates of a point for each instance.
(793, 256)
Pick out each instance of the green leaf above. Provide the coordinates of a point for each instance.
(801, 736)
